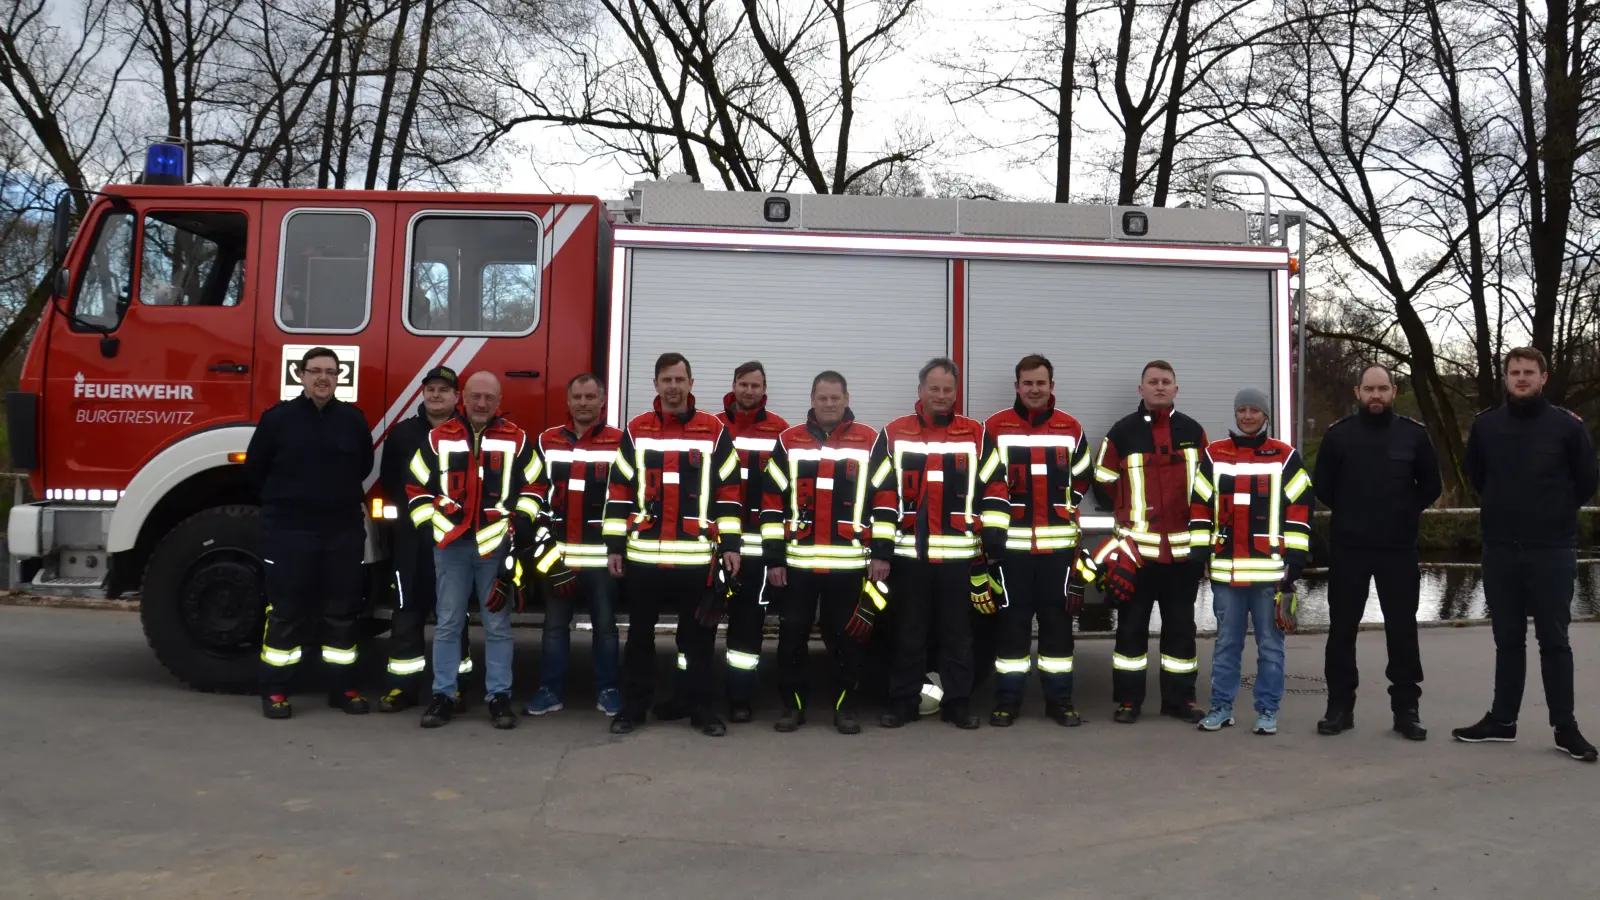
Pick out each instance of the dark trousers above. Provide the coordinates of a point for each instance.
(1520, 582)
(931, 596)
(313, 582)
(1172, 587)
(1035, 587)
(837, 593)
(415, 596)
(747, 615)
(651, 589)
(1399, 583)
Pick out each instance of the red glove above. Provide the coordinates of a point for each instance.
(507, 587)
(1074, 590)
(1122, 566)
(874, 599)
(1288, 611)
(720, 587)
(982, 591)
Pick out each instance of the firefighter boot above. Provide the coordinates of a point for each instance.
(1062, 713)
(741, 691)
(1185, 711)
(1057, 688)
(790, 721)
(1007, 695)
(1126, 713)
(351, 702)
(397, 700)
(276, 706)
(1005, 713)
(956, 713)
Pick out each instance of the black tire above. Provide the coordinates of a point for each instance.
(204, 603)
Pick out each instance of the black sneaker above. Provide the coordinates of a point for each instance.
(790, 721)
(1127, 714)
(351, 702)
(396, 700)
(740, 712)
(501, 713)
(1568, 739)
(276, 706)
(709, 723)
(1004, 714)
(845, 721)
(1488, 729)
(441, 709)
(1062, 714)
(1408, 723)
(1186, 712)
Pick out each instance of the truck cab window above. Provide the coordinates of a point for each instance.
(106, 282)
(475, 274)
(193, 258)
(325, 270)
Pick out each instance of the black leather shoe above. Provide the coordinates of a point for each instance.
(501, 713)
(351, 702)
(670, 710)
(791, 720)
(1063, 714)
(956, 714)
(1186, 712)
(1340, 719)
(709, 723)
(845, 721)
(441, 709)
(899, 716)
(740, 712)
(1127, 714)
(1409, 724)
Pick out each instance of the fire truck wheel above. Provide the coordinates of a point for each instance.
(203, 604)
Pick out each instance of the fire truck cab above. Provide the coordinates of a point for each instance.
(179, 313)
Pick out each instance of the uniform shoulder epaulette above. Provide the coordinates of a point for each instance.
(1414, 422)
(1569, 412)
(1342, 421)
(1489, 410)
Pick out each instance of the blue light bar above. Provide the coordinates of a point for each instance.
(164, 163)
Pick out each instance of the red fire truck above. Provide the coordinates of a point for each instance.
(178, 312)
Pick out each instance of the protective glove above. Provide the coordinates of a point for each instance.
(543, 555)
(1291, 573)
(983, 599)
(507, 587)
(720, 587)
(1287, 611)
(1074, 590)
(446, 505)
(1121, 566)
(874, 599)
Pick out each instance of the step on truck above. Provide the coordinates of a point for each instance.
(178, 312)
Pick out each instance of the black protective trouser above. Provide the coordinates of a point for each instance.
(836, 593)
(1520, 582)
(678, 590)
(1399, 584)
(747, 616)
(936, 597)
(1172, 587)
(312, 574)
(415, 594)
(1035, 586)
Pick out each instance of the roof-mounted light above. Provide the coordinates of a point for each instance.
(165, 163)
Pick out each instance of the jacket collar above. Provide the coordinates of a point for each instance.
(1523, 409)
(1034, 419)
(571, 428)
(927, 418)
(311, 404)
(1155, 416)
(815, 427)
(1252, 441)
(741, 418)
(683, 417)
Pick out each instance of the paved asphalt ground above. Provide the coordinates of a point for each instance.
(116, 782)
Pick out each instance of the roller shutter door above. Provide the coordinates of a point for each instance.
(1099, 324)
(875, 319)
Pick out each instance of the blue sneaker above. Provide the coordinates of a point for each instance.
(1267, 722)
(1218, 718)
(544, 701)
(609, 702)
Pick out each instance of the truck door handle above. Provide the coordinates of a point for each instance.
(228, 368)
(523, 373)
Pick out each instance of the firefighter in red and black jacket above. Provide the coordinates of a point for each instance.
(1040, 454)
(570, 473)
(672, 510)
(755, 432)
(1144, 472)
(469, 484)
(935, 515)
(816, 529)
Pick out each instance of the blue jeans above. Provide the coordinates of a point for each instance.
(459, 569)
(1232, 605)
(600, 590)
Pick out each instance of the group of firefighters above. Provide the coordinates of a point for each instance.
(953, 536)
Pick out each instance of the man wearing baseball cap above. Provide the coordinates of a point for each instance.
(411, 550)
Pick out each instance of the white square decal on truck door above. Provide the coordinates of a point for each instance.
(349, 370)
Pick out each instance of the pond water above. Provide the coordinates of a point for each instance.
(1449, 591)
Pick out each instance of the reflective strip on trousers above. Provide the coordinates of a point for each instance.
(1012, 666)
(408, 666)
(683, 662)
(1130, 663)
(338, 657)
(744, 661)
(275, 657)
(1055, 665)
(1179, 666)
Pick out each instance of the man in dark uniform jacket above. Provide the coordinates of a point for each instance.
(1377, 471)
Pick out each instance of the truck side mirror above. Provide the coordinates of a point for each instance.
(63, 283)
(61, 228)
